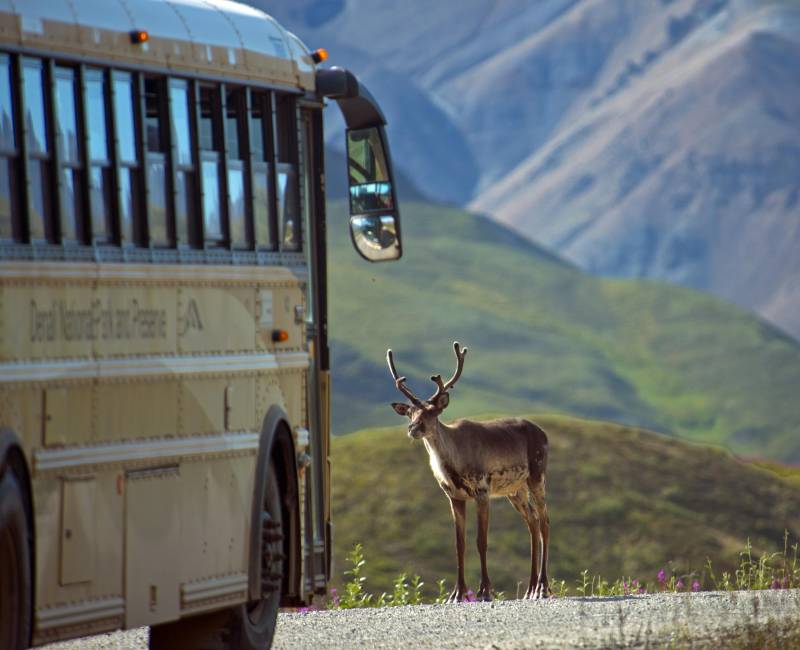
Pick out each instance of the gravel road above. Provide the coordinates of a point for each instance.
(709, 619)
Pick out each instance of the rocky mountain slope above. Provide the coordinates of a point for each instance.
(644, 139)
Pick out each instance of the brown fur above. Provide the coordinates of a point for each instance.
(479, 460)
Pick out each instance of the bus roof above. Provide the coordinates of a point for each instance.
(208, 37)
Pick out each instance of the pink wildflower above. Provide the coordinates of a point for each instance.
(662, 576)
(680, 584)
(695, 586)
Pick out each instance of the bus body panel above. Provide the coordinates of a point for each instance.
(152, 451)
(162, 291)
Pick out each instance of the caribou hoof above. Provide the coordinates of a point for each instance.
(458, 595)
(536, 592)
(484, 593)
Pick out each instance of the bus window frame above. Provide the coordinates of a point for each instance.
(135, 169)
(50, 199)
(240, 163)
(290, 166)
(107, 165)
(185, 236)
(12, 155)
(136, 244)
(216, 156)
(62, 162)
(162, 155)
(266, 165)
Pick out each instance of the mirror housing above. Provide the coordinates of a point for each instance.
(374, 218)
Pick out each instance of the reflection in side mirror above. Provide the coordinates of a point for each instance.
(374, 219)
(369, 197)
(368, 172)
(375, 237)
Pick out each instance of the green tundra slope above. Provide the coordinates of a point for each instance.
(544, 336)
(622, 501)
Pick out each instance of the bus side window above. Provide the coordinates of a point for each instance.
(99, 163)
(183, 159)
(260, 123)
(40, 205)
(156, 162)
(235, 138)
(210, 141)
(69, 155)
(128, 179)
(288, 203)
(9, 185)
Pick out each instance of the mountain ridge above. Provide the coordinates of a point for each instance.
(546, 336)
(534, 114)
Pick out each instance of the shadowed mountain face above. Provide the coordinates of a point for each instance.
(645, 139)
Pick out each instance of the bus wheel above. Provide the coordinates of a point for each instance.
(246, 627)
(253, 624)
(15, 566)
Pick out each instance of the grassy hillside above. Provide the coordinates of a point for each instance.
(621, 500)
(544, 336)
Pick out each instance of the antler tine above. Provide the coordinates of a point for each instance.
(399, 382)
(442, 387)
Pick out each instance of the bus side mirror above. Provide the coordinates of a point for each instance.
(374, 219)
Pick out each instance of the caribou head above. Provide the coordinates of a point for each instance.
(424, 413)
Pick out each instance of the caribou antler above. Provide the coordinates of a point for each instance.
(437, 379)
(400, 382)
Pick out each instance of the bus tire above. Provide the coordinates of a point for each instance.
(253, 624)
(250, 626)
(15, 566)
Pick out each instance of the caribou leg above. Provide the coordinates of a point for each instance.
(537, 492)
(485, 589)
(522, 504)
(459, 509)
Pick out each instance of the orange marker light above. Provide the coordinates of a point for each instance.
(279, 336)
(139, 36)
(320, 55)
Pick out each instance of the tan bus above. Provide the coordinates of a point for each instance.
(164, 384)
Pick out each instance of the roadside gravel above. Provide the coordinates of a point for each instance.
(708, 619)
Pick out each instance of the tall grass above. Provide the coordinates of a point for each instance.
(777, 570)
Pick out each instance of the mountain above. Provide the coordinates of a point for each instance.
(622, 502)
(545, 336)
(638, 139)
(690, 175)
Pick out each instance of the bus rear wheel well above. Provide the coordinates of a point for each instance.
(283, 455)
(277, 449)
(12, 459)
(16, 531)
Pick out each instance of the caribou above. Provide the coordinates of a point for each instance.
(477, 461)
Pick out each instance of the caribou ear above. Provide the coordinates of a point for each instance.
(442, 401)
(401, 409)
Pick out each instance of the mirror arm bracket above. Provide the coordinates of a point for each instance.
(358, 106)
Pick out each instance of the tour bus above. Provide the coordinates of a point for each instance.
(164, 369)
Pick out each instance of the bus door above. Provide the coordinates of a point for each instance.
(317, 507)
